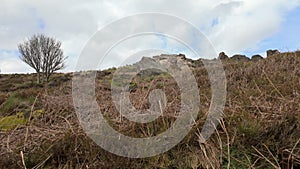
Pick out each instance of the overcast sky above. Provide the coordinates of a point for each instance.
(246, 26)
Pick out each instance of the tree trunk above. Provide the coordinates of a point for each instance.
(47, 77)
(38, 78)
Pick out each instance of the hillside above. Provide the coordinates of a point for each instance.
(260, 129)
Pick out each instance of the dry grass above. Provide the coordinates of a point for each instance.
(260, 129)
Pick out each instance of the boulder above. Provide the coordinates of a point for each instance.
(256, 58)
(182, 56)
(242, 58)
(272, 52)
(223, 56)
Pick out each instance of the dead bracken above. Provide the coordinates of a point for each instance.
(260, 128)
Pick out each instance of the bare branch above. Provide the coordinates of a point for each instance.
(43, 54)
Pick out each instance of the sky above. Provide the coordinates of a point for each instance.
(245, 27)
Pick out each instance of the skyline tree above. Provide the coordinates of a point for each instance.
(43, 54)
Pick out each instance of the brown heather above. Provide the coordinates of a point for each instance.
(260, 128)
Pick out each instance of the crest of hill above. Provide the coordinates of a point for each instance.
(222, 56)
(262, 114)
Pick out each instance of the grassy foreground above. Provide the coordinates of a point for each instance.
(260, 128)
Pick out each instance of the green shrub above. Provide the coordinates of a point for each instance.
(16, 100)
(13, 121)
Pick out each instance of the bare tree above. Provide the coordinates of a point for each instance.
(53, 56)
(30, 54)
(44, 54)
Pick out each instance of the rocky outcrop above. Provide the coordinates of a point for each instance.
(242, 58)
(223, 56)
(256, 58)
(272, 52)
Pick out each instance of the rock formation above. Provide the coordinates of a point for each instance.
(239, 58)
(256, 58)
(272, 52)
(223, 56)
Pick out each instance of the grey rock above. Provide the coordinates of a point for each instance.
(272, 52)
(256, 58)
(223, 56)
(242, 58)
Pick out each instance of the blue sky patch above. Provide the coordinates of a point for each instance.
(41, 24)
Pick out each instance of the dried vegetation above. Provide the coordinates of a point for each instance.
(260, 128)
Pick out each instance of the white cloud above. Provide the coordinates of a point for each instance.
(249, 23)
(231, 26)
(14, 65)
(9, 63)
